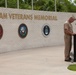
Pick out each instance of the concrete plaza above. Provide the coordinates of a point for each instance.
(38, 61)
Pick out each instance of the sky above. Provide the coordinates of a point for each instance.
(72, 1)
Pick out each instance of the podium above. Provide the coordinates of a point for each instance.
(74, 40)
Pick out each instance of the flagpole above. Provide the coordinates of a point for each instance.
(6, 3)
(32, 4)
(18, 4)
(55, 6)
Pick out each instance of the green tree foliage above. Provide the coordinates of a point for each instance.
(44, 5)
(70, 7)
(25, 4)
(11, 3)
(49, 6)
(2, 3)
(38, 5)
(75, 1)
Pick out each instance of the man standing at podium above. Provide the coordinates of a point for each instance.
(68, 33)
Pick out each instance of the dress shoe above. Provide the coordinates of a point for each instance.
(68, 60)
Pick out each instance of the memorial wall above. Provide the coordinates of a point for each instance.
(25, 29)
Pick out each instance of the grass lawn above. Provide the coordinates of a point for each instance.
(72, 67)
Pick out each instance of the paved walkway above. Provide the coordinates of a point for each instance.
(41, 61)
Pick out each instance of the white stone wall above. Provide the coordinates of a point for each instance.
(34, 39)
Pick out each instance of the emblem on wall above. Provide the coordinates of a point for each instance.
(46, 30)
(1, 31)
(22, 30)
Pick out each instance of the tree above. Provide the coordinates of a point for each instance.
(38, 5)
(49, 6)
(75, 2)
(12, 3)
(2, 3)
(25, 4)
(44, 5)
(65, 6)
